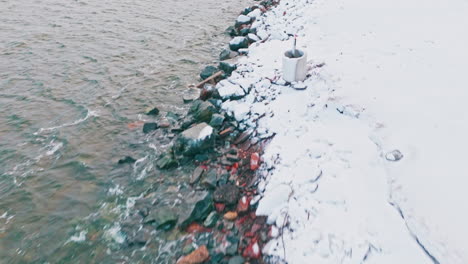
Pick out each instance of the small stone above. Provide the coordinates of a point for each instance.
(148, 127)
(394, 155)
(217, 120)
(211, 220)
(237, 260)
(198, 256)
(210, 179)
(238, 43)
(231, 216)
(208, 71)
(243, 205)
(225, 54)
(172, 116)
(164, 124)
(227, 194)
(127, 159)
(152, 111)
(243, 20)
(196, 175)
(228, 68)
(220, 207)
(233, 245)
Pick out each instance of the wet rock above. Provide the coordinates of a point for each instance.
(200, 205)
(162, 217)
(228, 68)
(148, 127)
(243, 20)
(227, 194)
(202, 111)
(201, 157)
(223, 179)
(230, 216)
(211, 220)
(164, 124)
(237, 260)
(172, 116)
(210, 179)
(167, 161)
(394, 155)
(233, 245)
(253, 38)
(127, 159)
(247, 10)
(191, 95)
(195, 140)
(198, 256)
(152, 111)
(196, 175)
(232, 158)
(231, 31)
(238, 43)
(244, 31)
(208, 71)
(217, 120)
(227, 54)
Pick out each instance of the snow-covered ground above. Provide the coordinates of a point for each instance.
(393, 79)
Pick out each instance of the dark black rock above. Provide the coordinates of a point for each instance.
(231, 31)
(208, 71)
(227, 194)
(225, 54)
(152, 111)
(238, 43)
(244, 31)
(148, 127)
(228, 68)
(217, 120)
(127, 159)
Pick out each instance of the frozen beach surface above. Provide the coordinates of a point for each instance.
(367, 162)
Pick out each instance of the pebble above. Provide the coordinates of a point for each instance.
(394, 155)
(230, 216)
(198, 256)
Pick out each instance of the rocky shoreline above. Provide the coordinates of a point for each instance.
(218, 223)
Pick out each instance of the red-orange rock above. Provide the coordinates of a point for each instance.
(243, 205)
(254, 161)
(252, 250)
(198, 256)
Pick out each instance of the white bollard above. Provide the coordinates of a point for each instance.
(294, 66)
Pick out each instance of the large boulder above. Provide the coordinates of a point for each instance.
(228, 90)
(238, 43)
(202, 111)
(243, 20)
(195, 140)
(163, 218)
(199, 206)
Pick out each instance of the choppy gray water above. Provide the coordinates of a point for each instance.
(73, 75)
